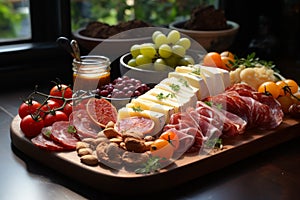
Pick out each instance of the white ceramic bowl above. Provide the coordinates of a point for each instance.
(147, 76)
(210, 40)
(115, 41)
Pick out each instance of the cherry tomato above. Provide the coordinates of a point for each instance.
(68, 108)
(171, 137)
(227, 54)
(28, 107)
(162, 148)
(269, 88)
(55, 116)
(31, 126)
(285, 102)
(227, 62)
(50, 105)
(61, 90)
(287, 86)
(296, 98)
(213, 59)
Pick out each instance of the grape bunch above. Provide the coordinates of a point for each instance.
(123, 87)
(165, 53)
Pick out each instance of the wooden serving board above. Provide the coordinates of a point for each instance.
(182, 170)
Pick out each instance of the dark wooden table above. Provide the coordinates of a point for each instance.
(271, 174)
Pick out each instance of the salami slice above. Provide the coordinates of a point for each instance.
(135, 125)
(61, 134)
(83, 124)
(42, 142)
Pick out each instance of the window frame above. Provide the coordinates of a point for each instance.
(41, 52)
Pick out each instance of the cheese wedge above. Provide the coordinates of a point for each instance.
(195, 81)
(158, 118)
(143, 104)
(216, 75)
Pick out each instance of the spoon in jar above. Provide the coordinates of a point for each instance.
(65, 44)
(76, 49)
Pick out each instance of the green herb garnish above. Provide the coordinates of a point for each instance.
(150, 166)
(184, 82)
(214, 143)
(252, 61)
(137, 109)
(161, 96)
(175, 87)
(197, 71)
(71, 129)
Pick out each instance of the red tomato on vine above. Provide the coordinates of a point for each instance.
(28, 107)
(31, 125)
(61, 90)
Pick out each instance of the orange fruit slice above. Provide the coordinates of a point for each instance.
(101, 111)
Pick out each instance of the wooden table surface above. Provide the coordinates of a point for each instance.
(271, 174)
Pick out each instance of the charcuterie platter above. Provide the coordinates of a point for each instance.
(127, 137)
(182, 170)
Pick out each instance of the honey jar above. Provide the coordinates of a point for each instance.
(91, 72)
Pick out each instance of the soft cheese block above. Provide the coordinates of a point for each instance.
(216, 75)
(225, 75)
(158, 118)
(143, 104)
(195, 71)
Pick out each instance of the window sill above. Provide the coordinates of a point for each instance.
(36, 63)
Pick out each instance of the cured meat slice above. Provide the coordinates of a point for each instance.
(231, 123)
(61, 134)
(84, 126)
(273, 115)
(45, 143)
(135, 125)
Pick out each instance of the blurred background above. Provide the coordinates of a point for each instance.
(29, 29)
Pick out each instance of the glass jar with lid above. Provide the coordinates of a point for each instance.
(91, 72)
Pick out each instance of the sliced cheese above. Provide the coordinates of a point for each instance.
(179, 86)
(164, 97)
(158, 118)
(195, 81)
(143, 104)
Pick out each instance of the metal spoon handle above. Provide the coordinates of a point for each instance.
(76, 49)
(65, 44)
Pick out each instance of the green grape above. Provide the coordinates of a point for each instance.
(142, 60)
(132, 62)
(160, 39)
(155, 33)
(186, 60)
(173, 37)
(178, 50)
(135, 50)
(185, 42)
(147, 49)
(165, 51)
(172, 61)
(160, 65)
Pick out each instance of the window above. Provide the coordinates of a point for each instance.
(112, 12)
(14, 20)
(37, 58)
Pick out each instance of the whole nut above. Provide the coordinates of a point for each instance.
(85, 151)
(89, 160)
